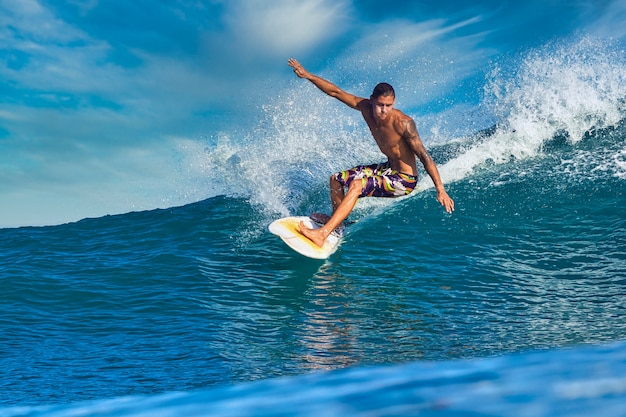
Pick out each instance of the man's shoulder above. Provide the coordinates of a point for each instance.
(401, 120)
(364, 103)
(401, 116)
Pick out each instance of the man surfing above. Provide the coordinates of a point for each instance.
(396, 135)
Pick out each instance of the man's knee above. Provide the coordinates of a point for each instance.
(355, 187)
(335, 185)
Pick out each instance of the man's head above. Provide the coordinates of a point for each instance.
(383, 97)
(383, 89)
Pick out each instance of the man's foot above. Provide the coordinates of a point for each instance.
(323, 218)
(314, 235)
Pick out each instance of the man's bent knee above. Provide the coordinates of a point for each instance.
(355, 187)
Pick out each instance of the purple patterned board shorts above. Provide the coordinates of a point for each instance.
(378, 180)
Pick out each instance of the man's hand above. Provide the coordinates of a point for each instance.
(445, 200)
(326, 86)
(298, 69)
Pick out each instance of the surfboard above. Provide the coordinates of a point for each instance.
(287, 229)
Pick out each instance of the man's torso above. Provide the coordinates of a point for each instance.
(388, 137)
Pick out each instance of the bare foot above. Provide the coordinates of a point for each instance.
(314, 235)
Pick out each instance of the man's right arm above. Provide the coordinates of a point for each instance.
(326, 86)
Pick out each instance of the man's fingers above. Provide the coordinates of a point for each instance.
(450, 206)
(447, 203)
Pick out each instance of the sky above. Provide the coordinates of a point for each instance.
(99, 99)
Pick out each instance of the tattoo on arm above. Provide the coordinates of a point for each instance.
(413, 138)
(410, 130)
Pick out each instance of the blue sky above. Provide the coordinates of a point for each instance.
(98, 97)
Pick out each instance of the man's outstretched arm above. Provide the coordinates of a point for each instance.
(324, 85)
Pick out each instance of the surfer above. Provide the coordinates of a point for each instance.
(396, 135)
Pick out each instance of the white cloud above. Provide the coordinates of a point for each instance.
(49, 59)
(611, 23)
(46, 54)
(280, 27)
(423, 60)
(34, 23)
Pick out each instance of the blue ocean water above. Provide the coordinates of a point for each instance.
(530, 269)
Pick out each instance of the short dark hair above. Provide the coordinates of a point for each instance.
(383, 89)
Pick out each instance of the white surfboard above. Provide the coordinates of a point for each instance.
(288, 230)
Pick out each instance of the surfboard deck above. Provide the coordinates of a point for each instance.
(288, 230)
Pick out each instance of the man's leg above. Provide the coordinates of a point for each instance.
(337, 192)
(337, 195)
(340, 213)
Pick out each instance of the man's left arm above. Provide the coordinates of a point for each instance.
(413, 138)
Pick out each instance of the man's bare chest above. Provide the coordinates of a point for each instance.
(384, 135)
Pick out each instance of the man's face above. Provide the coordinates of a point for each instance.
(383, 106)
